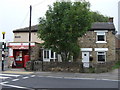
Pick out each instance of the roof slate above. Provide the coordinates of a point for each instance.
(95, 26)
(34, 28)
(103, 26)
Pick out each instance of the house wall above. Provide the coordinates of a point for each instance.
(36, 52)
(89, 41)
(117, 43)
(24, 37)
(117, 47)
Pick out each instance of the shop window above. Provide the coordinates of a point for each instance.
(19, 56)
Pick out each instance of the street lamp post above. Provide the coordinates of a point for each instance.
(3, 50)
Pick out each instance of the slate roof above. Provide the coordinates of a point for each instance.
(34, 28)
(103, 26)
(95, 26)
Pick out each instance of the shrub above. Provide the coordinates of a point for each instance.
(117, 65)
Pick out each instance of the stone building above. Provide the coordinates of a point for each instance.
(117, 46)
(97, 45)
(19, 48)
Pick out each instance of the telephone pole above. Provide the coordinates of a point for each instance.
(30, 32)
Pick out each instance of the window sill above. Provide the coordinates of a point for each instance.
(101, 42)
(101, 62)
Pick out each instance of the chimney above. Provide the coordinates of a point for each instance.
(111, 19)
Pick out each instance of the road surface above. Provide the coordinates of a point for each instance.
(37, 81)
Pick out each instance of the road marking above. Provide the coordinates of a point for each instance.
(108, 80)
(80, 78)
(4, 82)
(10, 75)
(50, 77)
(25, 77)
(16, 86)
(33, 76)
(15, 79)
(4, 77)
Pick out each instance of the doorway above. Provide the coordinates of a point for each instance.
(19, 58)
(85, 59)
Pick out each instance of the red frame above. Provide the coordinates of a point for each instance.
(19, 64)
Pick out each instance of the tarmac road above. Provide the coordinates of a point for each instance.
(36, 81)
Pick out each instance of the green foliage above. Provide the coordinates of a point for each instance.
(97, 17)
(117, 65)
(63, 24)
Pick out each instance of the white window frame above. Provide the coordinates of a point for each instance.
(101, 49)
(54, 55)
(45, 51)
(99, 54)
(49, 56)
(101, 33)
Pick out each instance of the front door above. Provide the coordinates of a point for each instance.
(85, 59)
(19, 58)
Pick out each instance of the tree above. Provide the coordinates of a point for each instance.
(97, 17)
(63, 24)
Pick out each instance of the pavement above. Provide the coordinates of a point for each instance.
(113, 75)
(17, 71)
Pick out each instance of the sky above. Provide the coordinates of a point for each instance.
(14, 14)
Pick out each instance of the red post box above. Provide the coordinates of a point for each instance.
(26, 59)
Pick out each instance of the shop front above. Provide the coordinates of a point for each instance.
(19, 51)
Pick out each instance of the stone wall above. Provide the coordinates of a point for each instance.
(118, 54)
(55, 66)
(89, 41)
(118, 47)
(62, 66)
(103, 67)
(75, 67)
(36, 52)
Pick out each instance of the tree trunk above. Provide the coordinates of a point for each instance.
(65, 56)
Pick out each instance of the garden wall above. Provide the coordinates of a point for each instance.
(75, 67)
